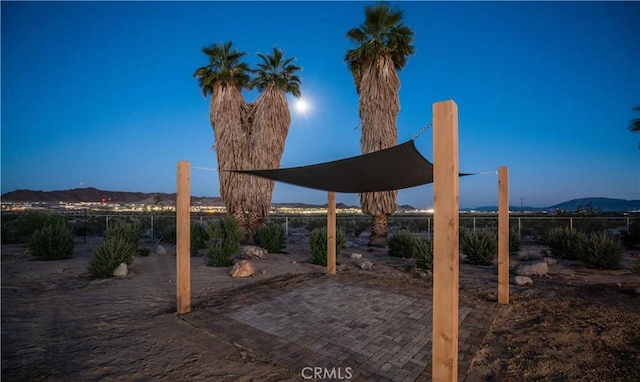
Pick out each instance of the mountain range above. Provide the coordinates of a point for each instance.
(90, 194)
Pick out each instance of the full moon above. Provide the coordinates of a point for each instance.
(302, 106)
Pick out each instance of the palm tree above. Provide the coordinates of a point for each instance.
(274, 78)
(383, 45)
(634, 125)
(224, 78)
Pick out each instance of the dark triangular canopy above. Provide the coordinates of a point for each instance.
(395, 168)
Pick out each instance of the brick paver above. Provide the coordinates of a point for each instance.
(365, 331)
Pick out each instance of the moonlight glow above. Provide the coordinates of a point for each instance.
(302, 106)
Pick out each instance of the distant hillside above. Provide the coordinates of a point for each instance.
(583, 204)
(598, 204)
(90, 194)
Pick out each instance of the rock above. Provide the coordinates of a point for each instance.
(121, 271)
(356, 256)
(523, 280)
(252, 252)
(243, 268)
(160, 250)
(550, 260)
(366, 265)
(531, 268)
(350, 244)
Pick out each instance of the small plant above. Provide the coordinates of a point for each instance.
(514, 241)
(52, 242)
(199, 238)
(402, 244)
(108, 256)
(224, 241)
(296, 223)
(480, 246)
(318, 244)
(20, 229)
(423, 253)
(169, 234)
(566, 243)
(603, 252)
(144, 252)
(631, 238)
(271, 237)
(128, 231)
(316, 223)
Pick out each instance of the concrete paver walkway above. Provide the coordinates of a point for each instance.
(353, 329)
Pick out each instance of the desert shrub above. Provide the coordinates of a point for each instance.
(271, 237)
(52, 242)
(602, 251)
(480, 246)
(296, 223)
(631, 238)
(168, 234)
(224, 241)
(199, 238)
(423, 253)
(128, 231)
(514, 241)
(20, 229)
(316, 223)
(109, 255)
(566, 243)
(401, 244)
(144, 252)
(318, 244)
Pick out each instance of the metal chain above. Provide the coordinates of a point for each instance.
(419, 133)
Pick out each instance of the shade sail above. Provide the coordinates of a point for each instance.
(395, 168)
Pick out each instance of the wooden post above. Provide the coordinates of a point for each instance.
(503, 235)
(183, 239)
(331, 233)
(446, 257)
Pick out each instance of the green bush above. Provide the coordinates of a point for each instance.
(296, 223)
(52, 242)
(318, 244)
(271, 237)
(108, 256)
(566, 243)
(168, 234)
(199, 238)
(402, 244)
(603, 252)
(20, 229)
(315, 223)
(423, 253)
(514, 241)
(224, 241)
(128, 231)
(480, 246)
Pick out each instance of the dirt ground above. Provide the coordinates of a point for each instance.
(59, 324)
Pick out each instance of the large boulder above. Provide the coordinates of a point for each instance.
(252, 252)
(243, 268)
(531, 268)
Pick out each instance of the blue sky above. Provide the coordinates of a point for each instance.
(102, 93)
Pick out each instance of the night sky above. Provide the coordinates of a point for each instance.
(101, 94)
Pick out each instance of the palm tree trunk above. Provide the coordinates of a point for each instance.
(379, 106)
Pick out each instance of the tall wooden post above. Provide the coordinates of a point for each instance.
(183, 239)
(331, 233)
(446, 257)
(503, 235)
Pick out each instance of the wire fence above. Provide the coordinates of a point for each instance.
(161, 226)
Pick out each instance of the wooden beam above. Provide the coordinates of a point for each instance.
(445, 242)
(183, 239)
(503, 235)
(331, 233)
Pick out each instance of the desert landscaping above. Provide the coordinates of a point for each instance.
(59, 323)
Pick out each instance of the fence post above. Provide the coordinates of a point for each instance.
(571, 223)
(446, 221)
(286, 226)
(183, 241)
(519, 228)
(503, 235)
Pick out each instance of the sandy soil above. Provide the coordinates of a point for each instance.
(60, 324)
